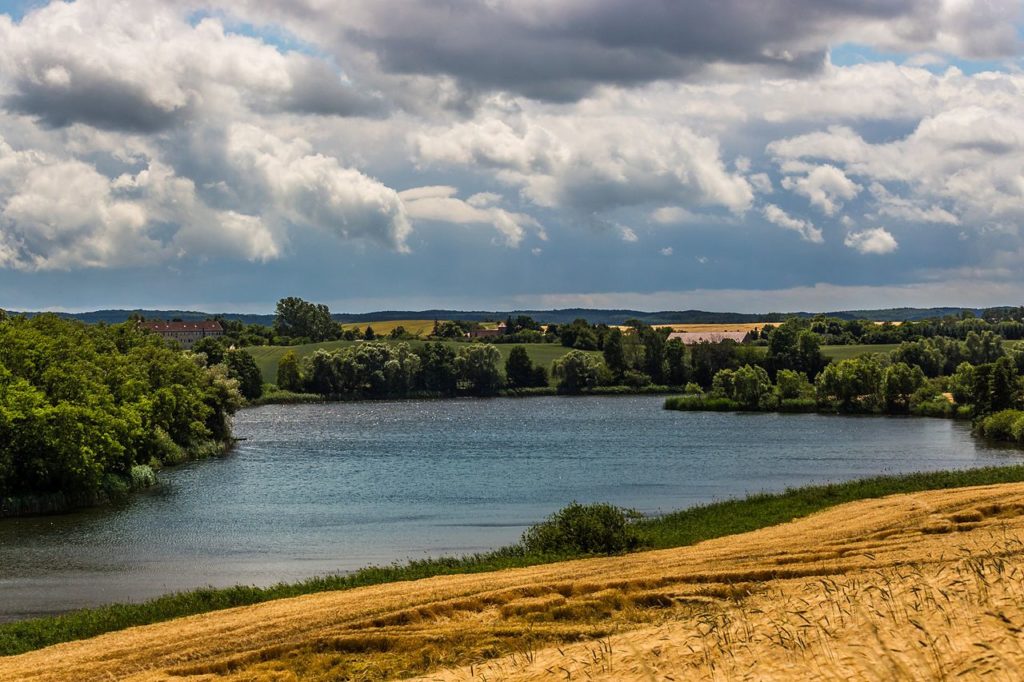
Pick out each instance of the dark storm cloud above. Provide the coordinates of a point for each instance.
(102, 103)
(560, 53)
(317, 89)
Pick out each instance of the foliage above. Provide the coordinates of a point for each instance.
(792, 385)
(212, 347)
(477, 369)
(854, 383)
(288, 376)
(699, 403)
(580, 529)
(899, 382)
(614, 354)
(81, 403)
(300, 319)
(792, 346)
(520, 372)
(677, 372)
(577, 371)
(437, 369)
(242, 368)
(1005, 425)
(448, 330)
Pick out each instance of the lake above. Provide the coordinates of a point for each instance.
(326, 488)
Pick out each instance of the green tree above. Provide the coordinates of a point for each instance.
(520, 371)
(614, 353)
(288, 376)
(1003, 385)
(448, 330)
(242, 367)
(437, 368)
(654, 353)
(899, 382)
(212, 347)
(751, 386)
(577, 371)
(854, 383)
(477, 369)
(369, 334)
(792, 385)
(677, 372)
(297, 318)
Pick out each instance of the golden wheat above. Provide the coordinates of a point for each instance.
(921, 586)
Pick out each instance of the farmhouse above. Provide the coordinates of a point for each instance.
(487, 333)
(691, 338)
(185, 333)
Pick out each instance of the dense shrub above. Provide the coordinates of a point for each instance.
(80, 406)
(583, 529)
(699, 402)
(798, 405)
(1005, 425)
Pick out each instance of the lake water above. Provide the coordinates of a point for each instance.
(326, 488)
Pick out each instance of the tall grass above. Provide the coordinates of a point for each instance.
(676, 529)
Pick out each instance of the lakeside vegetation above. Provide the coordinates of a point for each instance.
(575, 532)
(87, 412)
(979, 378)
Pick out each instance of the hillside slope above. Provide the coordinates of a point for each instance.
(920, 586)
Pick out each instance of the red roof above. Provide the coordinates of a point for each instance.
(207, 326)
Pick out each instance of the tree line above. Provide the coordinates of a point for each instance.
(974, 378)
(83, 407)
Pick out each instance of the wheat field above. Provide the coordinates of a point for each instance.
(919, 586)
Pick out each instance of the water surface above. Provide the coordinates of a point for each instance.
(327, 488)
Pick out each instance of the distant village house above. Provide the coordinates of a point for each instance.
(487, 333)
(185, 333)
(692, 338)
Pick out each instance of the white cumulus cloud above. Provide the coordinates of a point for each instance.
(875, 240)
(807, 231)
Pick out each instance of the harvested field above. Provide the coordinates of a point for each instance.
(711, 327)
(385, 327)
(919, 586)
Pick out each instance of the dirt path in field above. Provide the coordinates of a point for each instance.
(919, 586)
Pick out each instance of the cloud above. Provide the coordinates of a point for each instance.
(138, 67)
(667, 215)
(818, 297)
(824, 186)
(667, 251)
(957, 166)
(590, 164)
(307, 189)
(439, 203)
(59, 214)
(561, 50)
(807, 231)
(876, 240)
(627, 234)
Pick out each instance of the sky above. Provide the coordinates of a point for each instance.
(497, 154)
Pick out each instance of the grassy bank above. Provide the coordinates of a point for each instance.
(268, 357)
(677, 529)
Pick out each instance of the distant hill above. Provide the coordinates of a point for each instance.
(116, 316)
(562, 316)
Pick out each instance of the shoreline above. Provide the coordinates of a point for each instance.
(675, 529)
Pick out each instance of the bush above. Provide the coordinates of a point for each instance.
(142, 476)
(1006, 425)
(696, 403)
(798, 405)
(116, 488)
(584, 529)
(935, 407)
